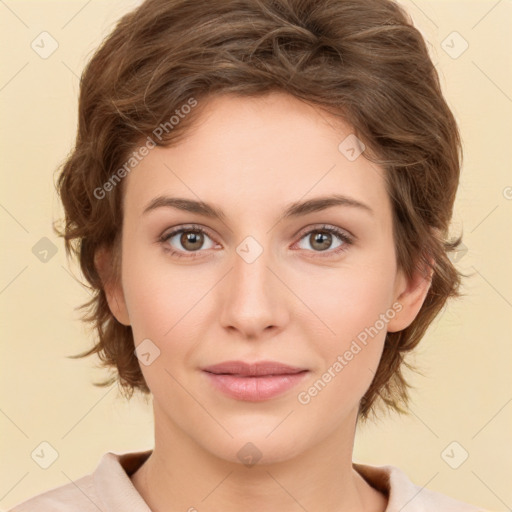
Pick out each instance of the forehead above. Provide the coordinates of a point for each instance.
(254, 152)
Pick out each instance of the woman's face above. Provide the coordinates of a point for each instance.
(259, 284)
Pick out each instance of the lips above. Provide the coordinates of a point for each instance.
(254, 382)
(257, 369)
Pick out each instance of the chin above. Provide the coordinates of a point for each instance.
(256, 448)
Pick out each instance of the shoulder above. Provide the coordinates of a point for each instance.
(108, 487)
(75, 496)
(405, 496)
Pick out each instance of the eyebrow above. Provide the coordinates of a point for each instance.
(296, 209)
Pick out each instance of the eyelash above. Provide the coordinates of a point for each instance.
(345, 238)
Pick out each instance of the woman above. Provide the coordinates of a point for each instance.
(260, 195)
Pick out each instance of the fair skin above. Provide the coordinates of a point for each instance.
(296, 303)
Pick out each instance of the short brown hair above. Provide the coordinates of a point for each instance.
(360, 60)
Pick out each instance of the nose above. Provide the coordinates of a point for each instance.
(254, 298)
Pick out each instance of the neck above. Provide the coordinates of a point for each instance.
(180, 475)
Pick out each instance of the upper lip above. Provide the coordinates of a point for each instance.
(257, 368)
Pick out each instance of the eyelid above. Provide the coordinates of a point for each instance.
(185, 227)
(326, 227)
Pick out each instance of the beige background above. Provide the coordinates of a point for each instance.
(466, 393)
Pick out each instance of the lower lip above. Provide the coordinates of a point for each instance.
(255, 389)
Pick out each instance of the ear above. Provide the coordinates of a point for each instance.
(106, 267)
(410, 293)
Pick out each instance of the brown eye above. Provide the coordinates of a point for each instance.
(192, 240)
(187, 240)
(320, 240)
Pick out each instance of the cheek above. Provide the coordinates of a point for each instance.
(352, 308)
(170, 307)
(163, 309)
(159, 296)
(357, 310)
(347, 301)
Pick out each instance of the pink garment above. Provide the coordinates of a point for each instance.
(109, 489)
